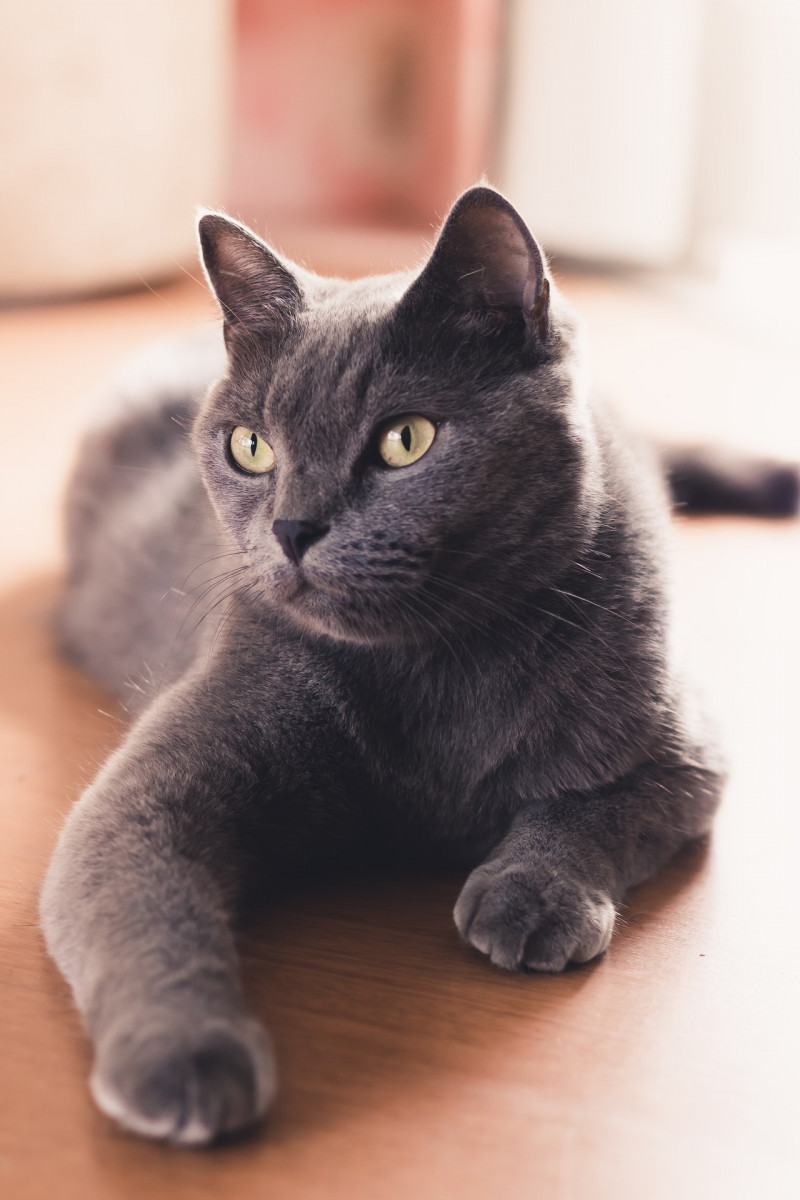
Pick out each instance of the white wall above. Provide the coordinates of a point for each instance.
(597, 138)
(658, 134)
(113, 127)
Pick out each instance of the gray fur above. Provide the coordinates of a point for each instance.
(470, 667)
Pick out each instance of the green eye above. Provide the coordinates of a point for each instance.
(251, 452)
(405, 439)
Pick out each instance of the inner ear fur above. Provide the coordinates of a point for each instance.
(254, 288)
(485, 258)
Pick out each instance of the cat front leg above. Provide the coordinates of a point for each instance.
(137, 907)
(547, 895)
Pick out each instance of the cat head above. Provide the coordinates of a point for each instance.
(400, 454)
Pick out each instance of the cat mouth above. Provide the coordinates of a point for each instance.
(299, 589)
(304, 584)
(341, 607)
(348, 613)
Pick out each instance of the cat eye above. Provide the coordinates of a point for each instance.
(251, 452)
(405, 439)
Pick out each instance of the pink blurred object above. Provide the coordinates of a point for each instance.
(360, 111)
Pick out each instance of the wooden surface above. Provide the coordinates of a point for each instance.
(408, 1066)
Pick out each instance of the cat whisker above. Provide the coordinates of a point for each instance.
(230, 580)
(585, 600)
(480, 598)
(206, 561)
(438, 634)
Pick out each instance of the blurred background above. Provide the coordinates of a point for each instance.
(652, 148)
(649, 136)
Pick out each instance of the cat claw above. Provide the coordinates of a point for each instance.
(525, 919)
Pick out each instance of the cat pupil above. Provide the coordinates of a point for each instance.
(405, 437)
(253, 444)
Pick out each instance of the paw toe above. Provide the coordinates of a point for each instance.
(521, 922)
(187, 1088)
(577, 934)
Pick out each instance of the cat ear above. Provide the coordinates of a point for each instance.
(485, 258)
(254, 289)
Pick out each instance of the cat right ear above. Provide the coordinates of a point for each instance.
(256, 292)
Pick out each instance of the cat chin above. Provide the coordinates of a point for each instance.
(335, 614)
(345, 620)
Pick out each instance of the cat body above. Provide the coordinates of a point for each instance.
(453, 654)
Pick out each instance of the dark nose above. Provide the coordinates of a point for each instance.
(296, 536)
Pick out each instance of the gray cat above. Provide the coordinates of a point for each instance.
(444, 639)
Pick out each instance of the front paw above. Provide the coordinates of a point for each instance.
(185, 1081)
(532, 918)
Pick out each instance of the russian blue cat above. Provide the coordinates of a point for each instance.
(445, 639)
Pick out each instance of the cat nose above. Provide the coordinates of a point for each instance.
(296, 536)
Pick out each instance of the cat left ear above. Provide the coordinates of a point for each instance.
(254, 289)
(485, 258)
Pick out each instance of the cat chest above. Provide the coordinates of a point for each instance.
(447, 768)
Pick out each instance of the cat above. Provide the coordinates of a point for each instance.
(445, 640)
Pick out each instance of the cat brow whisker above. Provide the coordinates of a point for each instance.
(182, 267)
(150, 288)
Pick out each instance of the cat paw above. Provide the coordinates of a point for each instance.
(187, 1084)
(528, 920)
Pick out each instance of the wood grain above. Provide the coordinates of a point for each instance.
(408, 1066)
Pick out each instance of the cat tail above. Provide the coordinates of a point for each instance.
(708, 480)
